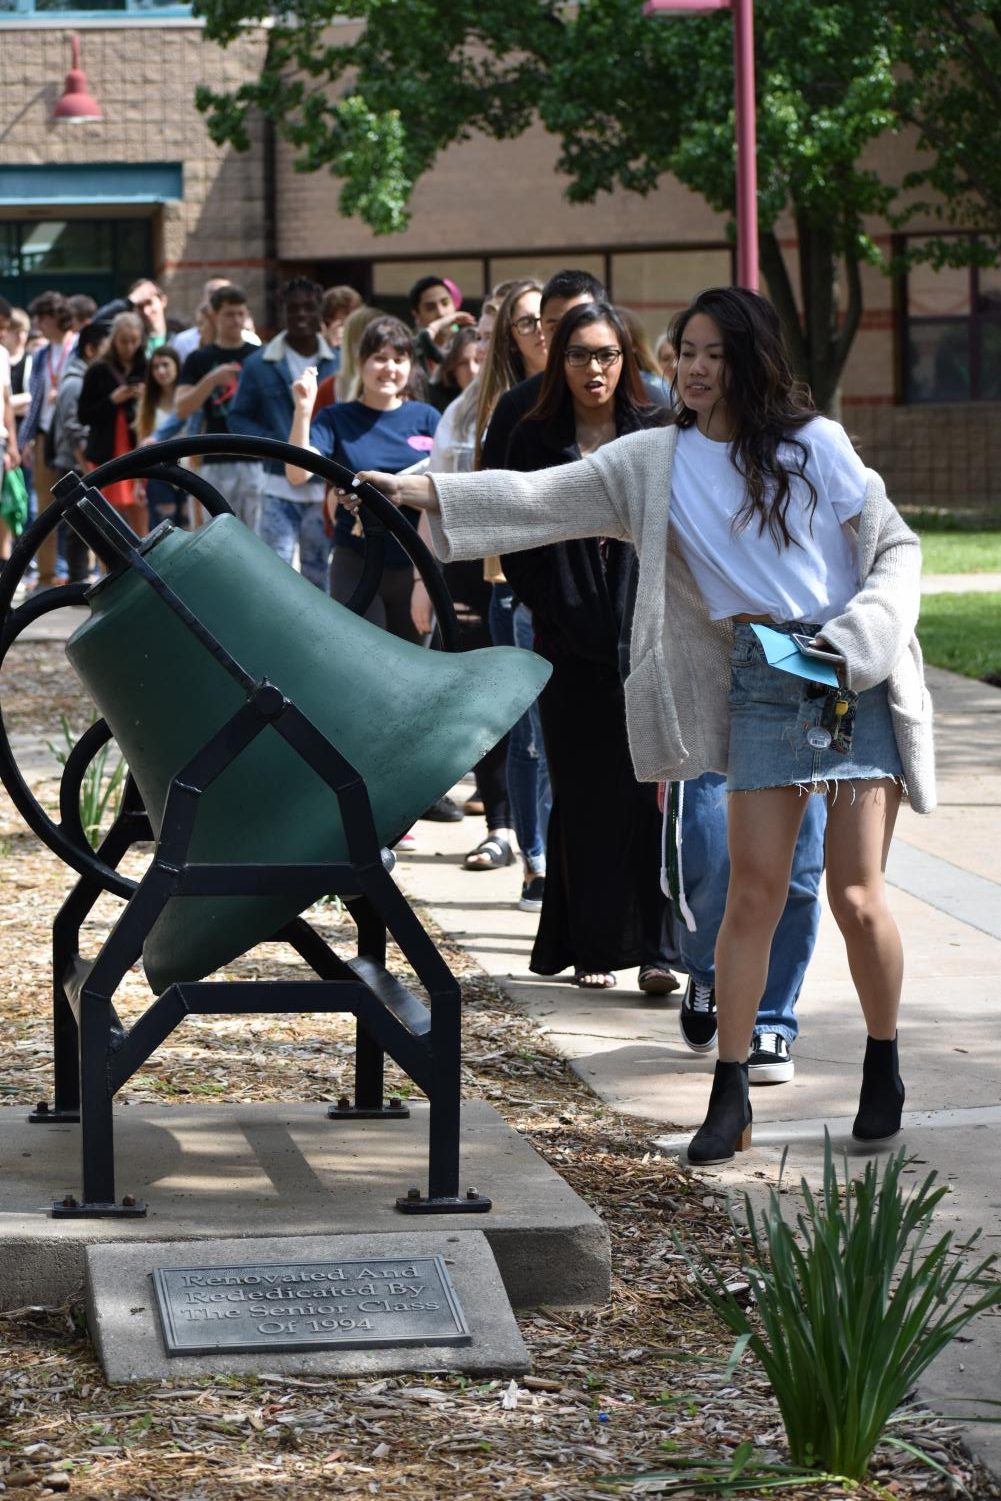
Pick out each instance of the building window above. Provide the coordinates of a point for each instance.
(98, 256)
(952, 333)
(11, 10)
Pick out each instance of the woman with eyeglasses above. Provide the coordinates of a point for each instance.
(602, 908)
(773, 640)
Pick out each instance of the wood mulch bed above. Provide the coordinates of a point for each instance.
(628, 1389)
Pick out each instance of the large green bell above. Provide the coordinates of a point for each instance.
(410, 721)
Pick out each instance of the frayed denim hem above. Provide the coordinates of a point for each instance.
(825, 786)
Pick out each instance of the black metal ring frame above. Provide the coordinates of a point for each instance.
(160, 461)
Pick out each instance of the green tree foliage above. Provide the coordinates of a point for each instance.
(630, 98)
(950, 90)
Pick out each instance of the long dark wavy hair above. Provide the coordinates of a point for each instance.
(632, 402)
(766, 403)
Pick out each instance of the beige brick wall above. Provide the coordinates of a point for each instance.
(488, 196)
(934, 456)
(144, 77)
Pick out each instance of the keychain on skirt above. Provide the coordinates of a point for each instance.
(837, 722)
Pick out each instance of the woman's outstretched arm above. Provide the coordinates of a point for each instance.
(498, 510)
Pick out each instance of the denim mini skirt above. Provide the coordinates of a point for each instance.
(771, 714)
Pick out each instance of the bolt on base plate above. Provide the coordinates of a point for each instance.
(45, 1114)
(73, 1208)
(389, 1110)
(471, 1202)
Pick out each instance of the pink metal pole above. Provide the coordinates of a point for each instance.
(747, 147)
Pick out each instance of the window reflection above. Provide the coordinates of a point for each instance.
(952, 333)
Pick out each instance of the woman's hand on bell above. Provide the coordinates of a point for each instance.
(402, 489)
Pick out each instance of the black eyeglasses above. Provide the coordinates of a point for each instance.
(528, 324)
(579, 357)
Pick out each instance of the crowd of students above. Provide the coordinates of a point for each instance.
(658, 506)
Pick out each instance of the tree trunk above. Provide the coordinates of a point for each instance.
(829, 335)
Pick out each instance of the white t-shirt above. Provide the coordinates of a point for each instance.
(451, 454)
(57, 356)
(744, 571)
(276, 484)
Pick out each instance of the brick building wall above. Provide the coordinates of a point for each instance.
(144, 76)
(933, 457)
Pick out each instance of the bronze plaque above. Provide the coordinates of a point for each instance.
(377, 1303)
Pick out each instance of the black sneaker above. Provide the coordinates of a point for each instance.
(532, 893)
(769, 1061)
(697, 1018)
(443, 811)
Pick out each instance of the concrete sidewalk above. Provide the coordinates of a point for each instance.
(945, 875)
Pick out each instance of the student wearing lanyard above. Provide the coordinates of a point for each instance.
(51, 314)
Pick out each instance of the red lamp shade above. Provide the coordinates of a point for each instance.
(77, 102)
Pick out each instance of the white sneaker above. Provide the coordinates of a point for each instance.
(407, 841)
(769, 1061)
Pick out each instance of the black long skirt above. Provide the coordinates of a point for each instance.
(603, 907)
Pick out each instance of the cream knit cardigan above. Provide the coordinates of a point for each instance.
(677, 708)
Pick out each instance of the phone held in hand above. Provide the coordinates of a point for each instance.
(808, 646)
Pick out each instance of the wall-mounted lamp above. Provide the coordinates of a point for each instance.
(77, 102)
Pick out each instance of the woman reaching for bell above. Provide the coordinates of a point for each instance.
(751, 509)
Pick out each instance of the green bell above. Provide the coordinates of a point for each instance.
(411, 721)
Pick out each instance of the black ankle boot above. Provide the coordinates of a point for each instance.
(881, 1100)
(727, 1126)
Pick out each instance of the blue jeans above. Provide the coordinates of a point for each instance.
(165, 503)
(527, 772)
(284, 523)
(706, 867)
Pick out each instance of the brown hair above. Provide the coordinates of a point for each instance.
(642, 348)
(149, 401)
(52, 305)
(504, 366)
(339, 300)
(384, 329)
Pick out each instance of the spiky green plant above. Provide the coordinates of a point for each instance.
(849, 1305)
(101, 790)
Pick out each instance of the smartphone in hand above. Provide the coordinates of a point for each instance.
(808, 646)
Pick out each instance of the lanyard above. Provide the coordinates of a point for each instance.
(55, 371)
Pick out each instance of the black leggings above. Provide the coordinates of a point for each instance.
(390, 607)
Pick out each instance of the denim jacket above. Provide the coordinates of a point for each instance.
(263, 406)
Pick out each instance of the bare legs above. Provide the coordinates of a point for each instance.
(763, 828)
(860, 824)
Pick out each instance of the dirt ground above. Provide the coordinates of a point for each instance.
(631, 1399)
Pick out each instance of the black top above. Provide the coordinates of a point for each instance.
(508, 412)
(96, 409)
(215, 408)
(579, 591)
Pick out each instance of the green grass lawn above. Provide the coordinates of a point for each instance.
(961, 552)
(962, 632)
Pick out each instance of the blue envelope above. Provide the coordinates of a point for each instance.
(783, 653)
